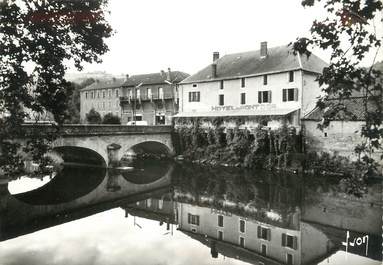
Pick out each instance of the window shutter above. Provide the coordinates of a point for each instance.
(189, 218)
(259, 232)
(269, 96)
(295, 243)
(197, 220)
(268, 234)
(283, 239)
(295, 94)
(189, 96)
(259, 97)
(284, 95)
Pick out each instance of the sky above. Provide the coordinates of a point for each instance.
(152, 35)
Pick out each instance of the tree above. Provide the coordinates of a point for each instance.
(93, 117)
(111, 119)
(349, 31)
(45, 36)
(74, 101)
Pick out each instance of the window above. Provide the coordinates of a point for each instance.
(86, 95)
(138, 93)
(289, 241)
(98, 94)
(290, 94)
(264, 233)
(194, 85)
(194, 230)
(149, 92)
(193, 219)
(242, 226)
(91, 94)
(109, 93)
(103, 94)
(221, 100)
(289, 259)
(220, 220)
(194, 96)
(243, 82)
(291, 76)
(325, 134)
(221, 85)
(265, 79)
(243, 98)
(130, 94)
(103, 105)
(264, 96)
(220, 235)
(242, 241)
(117, 92)
(161, 93)
(110, 104)
(264, 249)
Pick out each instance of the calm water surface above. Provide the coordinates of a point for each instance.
(167, 213)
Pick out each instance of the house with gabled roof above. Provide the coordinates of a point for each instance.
(152, 98)
(269, 86)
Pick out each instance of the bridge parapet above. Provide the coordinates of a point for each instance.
(96, 129)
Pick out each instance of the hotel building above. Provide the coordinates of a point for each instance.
(268, 87)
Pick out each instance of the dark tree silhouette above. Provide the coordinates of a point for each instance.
(111, 119)
(93, 117)
(349, 31)
(46, 36)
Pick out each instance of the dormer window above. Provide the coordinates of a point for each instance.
(221, 85)
(194, 85)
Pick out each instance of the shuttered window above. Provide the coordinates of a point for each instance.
(220, 220)
(291, 76)
(243, 98)
(290, 94)
(264, 96)
(193, 219)
(221, 100)
(243, 82)
(242, 226)
(289, 241)
(194, 96)
(264, 233)
(265, 79)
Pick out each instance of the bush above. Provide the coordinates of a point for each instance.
(111, 119)
(93, 117)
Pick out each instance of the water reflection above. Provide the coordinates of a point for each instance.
(238, 216)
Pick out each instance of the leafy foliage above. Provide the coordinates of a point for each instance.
(349, 32)
(93, 117)
(45, 36)
(111, 119)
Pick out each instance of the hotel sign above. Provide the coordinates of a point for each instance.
(244, 107)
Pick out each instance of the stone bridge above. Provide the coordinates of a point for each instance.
(100, 139)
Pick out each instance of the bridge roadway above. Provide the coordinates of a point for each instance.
(97, 138)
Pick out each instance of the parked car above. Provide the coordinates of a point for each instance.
(137, 123)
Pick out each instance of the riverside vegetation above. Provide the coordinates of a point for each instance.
(261, 148)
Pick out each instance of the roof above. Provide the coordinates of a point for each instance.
(346, 109)
(279, 59)
(105, 84)
(155, 78)
(235, 113)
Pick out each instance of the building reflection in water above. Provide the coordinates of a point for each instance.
(260, 218)
(262, 221)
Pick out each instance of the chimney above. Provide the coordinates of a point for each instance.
(127, 76)
(263, 49)
(114, 79)
(168, 74)
(215, 56)
(213, 70)
(162, 73)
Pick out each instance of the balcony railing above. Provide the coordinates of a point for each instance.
(148, 97)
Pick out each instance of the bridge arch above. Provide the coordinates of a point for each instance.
(151, 147)
(75, 154)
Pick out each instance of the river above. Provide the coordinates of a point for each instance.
(178, 213)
